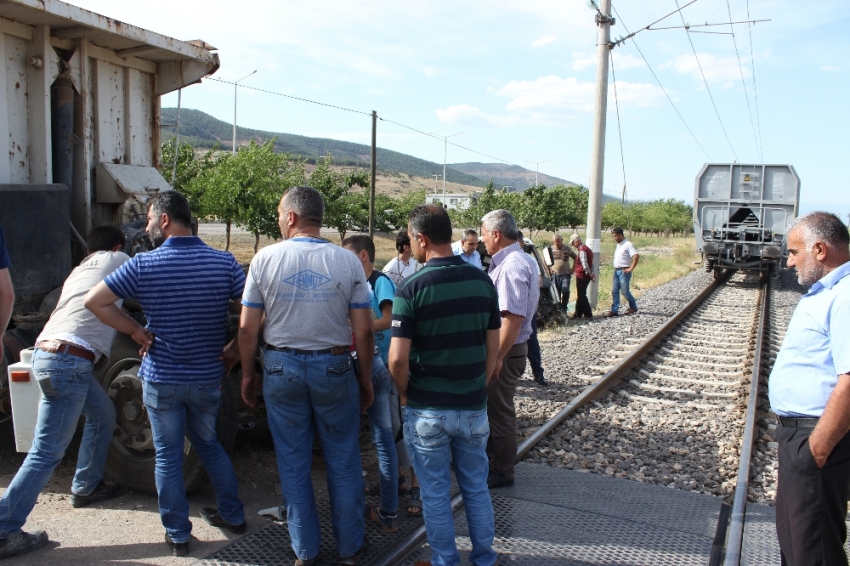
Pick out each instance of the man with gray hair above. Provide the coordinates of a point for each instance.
(515, 278)
(308, 289)
(810, 392)
(467, 248)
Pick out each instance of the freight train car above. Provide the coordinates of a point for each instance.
(742, 214)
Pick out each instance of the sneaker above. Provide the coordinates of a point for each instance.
(21, 543)
(102, 492)
(212, 517)
(177, 548)
(611, 314)
(352, 560)
(495, 479)
(540, 380)
(388, 523)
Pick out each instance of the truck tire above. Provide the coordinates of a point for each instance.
(131, 459)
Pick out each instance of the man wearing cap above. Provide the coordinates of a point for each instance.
(810, 392)
(584, 275)
(625, 260)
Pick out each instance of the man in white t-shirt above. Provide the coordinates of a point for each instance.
(72, 342)
(467, 248)
(626, 259)
(400, 268)
(308, 289)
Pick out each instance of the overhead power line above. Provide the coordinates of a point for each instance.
(664, 90)
(705, 81)
(755, 90)
(292, 97)
(619, 127)
(743, 82)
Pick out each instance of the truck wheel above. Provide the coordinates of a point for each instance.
(131, 458)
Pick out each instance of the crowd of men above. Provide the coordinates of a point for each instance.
(431, 349)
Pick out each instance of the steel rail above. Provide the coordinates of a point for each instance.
(735, 533)
(401, 550)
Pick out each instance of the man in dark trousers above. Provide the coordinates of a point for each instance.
(584, 275)
(72, 341)
(810, 392)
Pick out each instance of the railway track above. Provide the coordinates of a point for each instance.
(693, 379)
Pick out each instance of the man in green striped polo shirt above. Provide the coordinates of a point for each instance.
(445, 336)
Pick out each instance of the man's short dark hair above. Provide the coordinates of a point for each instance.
(617, 230)
(104, 238)
(469, 232)
(432, 221)
(174, 205)
(307, 203)
(402, 239)
(360, 242)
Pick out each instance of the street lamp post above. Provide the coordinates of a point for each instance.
(445, 153)
(436, 178)
(235, 85)
(537, 171)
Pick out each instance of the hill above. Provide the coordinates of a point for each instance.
(503, 175)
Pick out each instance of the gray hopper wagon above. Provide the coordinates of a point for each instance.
(742, 214)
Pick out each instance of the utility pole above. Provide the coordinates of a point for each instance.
(604, 21)
(436, 178)
(537, 171)
(176, 139)
(235, 86)
(374, 166)
(445, 153)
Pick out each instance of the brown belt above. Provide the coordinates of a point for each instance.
(60, 347)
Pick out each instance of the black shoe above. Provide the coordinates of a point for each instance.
(212, 517)
(21, 543)
(352, 560)
(177, 548)
(540, 380)
(495, 479)
(102, 492)
(307, 561)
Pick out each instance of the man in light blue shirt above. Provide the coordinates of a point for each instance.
(467, 248)
(810, 392)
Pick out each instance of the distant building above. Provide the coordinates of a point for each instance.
(453, 201)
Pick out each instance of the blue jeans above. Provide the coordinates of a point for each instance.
(75, 392)
(382, 435)
(303, 393)
(175, 409)
(436, 438)
(621, 285)
(562, 284)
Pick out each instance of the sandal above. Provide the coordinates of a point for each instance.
(414, 502)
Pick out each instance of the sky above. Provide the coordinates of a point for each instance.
(517, 78)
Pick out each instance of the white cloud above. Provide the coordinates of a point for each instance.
(583, 60)
(472, 115)
(626, 61)
(716, 69)
(830, 68)
(544, 40)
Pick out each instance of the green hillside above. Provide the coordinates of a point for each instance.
(204, 131)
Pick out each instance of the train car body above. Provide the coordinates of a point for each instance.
(742, 214)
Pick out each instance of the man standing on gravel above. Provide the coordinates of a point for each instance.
(810, 392)
(626, 258)
(584, 275)
(444, 345)
(185, 288)
(66, 352)
(308, 289)
(515, 278)
(563, 264)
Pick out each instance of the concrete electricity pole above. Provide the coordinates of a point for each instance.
(374, 164)
(436, 178)
(604, 21)
(235, 86)
(445, 153)
(537, 171)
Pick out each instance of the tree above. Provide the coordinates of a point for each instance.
(188, 167)
(342, 205)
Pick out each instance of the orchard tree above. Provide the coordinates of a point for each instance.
(188, 167)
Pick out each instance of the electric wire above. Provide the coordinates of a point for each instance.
(619, 127)
(664, 90)
(743, 82)
(292, 97)
(705, 81)
(631, 35)
(755, 89)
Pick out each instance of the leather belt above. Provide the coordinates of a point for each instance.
(807, 423)
(60, 347)
(334, 351)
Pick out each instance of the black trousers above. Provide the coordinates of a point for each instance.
(534, 357)
(811, 502)
(582, 304)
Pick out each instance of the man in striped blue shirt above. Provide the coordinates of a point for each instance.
(185, 288)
